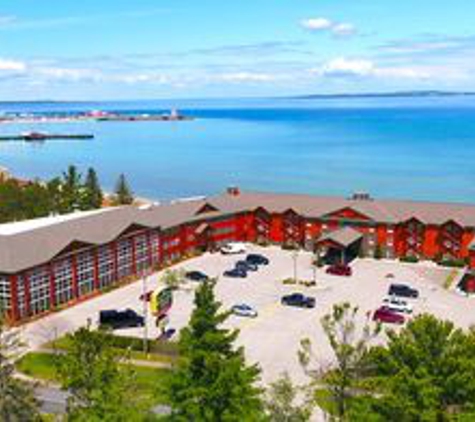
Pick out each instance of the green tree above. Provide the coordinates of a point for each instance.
(283, 403)
(92, 195)
(100, 388)
(211, 381)
(350, 348)
(17, 401)
(173, 278)
(122, 193)
(426, 372)
(70, 190)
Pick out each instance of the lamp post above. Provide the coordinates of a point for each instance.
(145, 311)
(295, 255)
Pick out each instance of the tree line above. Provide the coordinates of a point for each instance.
(423, 372)
(69, 192)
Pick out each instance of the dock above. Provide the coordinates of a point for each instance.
(41, 137)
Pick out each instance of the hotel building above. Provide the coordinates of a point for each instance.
(57, 261)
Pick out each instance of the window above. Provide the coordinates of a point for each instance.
(124, 252)
(85, 273)
(106, 266)
(63, 281)
(39, 279)
(5, 294)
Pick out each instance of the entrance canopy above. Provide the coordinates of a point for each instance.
(342, 238)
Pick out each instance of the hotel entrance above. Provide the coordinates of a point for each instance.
(340, 246)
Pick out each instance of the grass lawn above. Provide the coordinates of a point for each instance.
(149, 381)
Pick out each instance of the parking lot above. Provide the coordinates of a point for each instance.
(272, 339)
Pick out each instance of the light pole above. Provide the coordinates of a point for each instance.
(145, 312)
(295, 255)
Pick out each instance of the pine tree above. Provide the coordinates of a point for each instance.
(92, 194)
(211, 381)
(70, 190)
(100, 389)
(17, 401)
(123, 194)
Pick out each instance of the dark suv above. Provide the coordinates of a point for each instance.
(403, 290)
(120, 319)
(299, 300)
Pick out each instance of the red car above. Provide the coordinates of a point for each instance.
(384, 314)
(339, 269)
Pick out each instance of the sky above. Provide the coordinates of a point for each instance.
(149, 49)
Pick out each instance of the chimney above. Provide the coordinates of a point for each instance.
(233, 191)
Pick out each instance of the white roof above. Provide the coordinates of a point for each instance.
(24, 226)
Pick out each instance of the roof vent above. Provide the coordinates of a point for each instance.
(233, 191)
(361, 196)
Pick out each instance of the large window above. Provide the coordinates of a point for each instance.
(39, 280)
(106, 266)
(5, 293)
(124, 252)
(85, 272)
(141, 252)
(63, 281)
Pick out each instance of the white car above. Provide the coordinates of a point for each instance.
(244, 310)
(233, 248)
(397, 305)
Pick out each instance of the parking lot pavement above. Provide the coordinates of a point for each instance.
(272, 339)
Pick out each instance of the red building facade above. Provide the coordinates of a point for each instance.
(96, 252)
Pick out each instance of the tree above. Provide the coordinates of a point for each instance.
(101, 390)
(425, 372)
(17, 401)
(92, 195)
(70, 190)
(283, 403)
(350, 348)
(173, 278)
(123, 194)
(211, 381)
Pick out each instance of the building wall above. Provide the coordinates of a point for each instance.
(81, 273)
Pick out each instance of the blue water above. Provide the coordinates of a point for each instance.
(421, 148)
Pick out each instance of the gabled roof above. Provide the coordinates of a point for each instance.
(27, 244)
(343, 237)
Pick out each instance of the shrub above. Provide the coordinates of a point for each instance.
(452, 262)
(409, 258)
(289, 280)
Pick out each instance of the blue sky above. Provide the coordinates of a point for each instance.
(115, 49)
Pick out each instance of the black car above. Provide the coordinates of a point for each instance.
(120, 319)
(236, 273)
(298, 299)
(257, 259)
(403, 290)
(196, 276)
(246, 266)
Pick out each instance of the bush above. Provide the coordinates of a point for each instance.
(289, 280)
(290, 247)
(453, 263)
(410, 258)
(136, 344)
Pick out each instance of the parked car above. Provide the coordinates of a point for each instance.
(236, 273)
(257, 259)
(246, 266)
(196, 276)
(384, 314)
(403, 290)
(299, 300)
(233, 248)
(339, 269)
(120, 319)
(398, 305)
(244, 310)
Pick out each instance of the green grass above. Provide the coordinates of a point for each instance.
(150, 381)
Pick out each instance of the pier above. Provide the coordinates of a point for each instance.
(41, 137)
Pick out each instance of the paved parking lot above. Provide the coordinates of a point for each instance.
(272, 339)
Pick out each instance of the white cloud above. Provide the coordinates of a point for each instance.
(247, 77)
(342, 67)
(350, 68)
(69, 74)
(7, 65)
(317, 24)
(341, 29)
